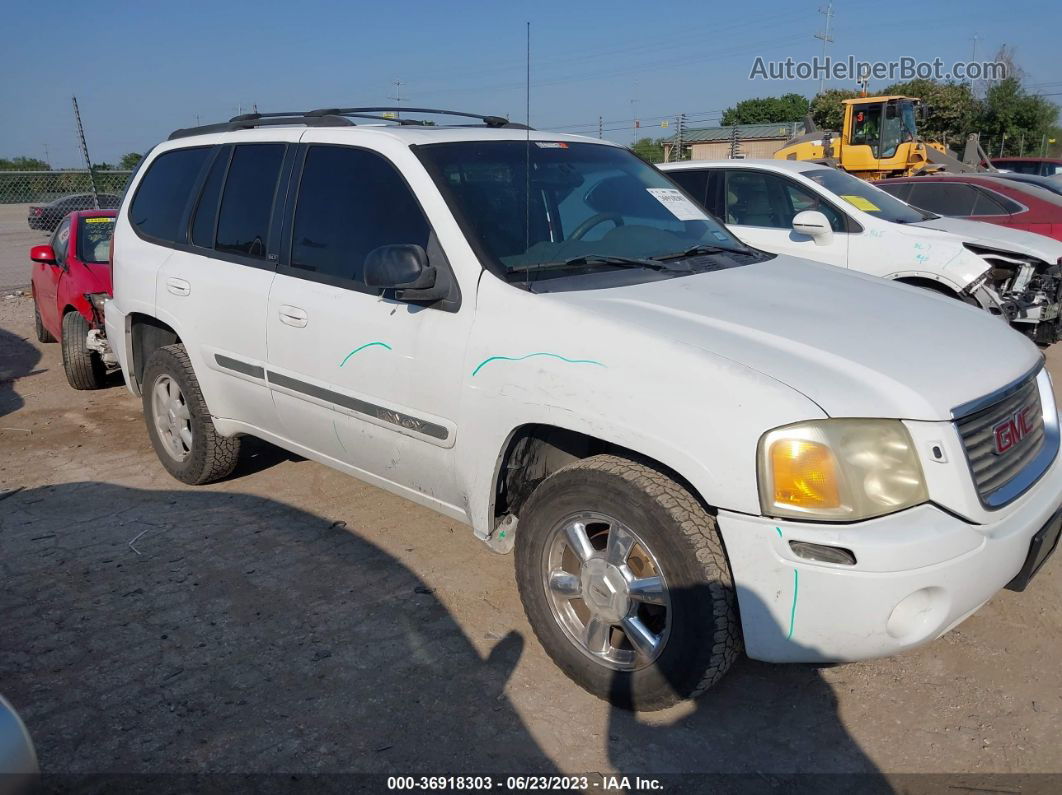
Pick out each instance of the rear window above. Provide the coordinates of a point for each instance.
(94, 239)
(163, 193)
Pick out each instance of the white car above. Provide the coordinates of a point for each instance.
(693, 445)
(827, 215)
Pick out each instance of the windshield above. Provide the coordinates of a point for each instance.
(579, 201)
(864, 196)
(94, 239)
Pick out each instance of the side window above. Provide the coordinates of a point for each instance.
(206, 213)
(749, 201)
(61, 241)
(350, 202)
(756, 198)
(800, 199)
(694, 182)
(163, 193)
(901, 190)
(991, 203)
(247, 204)
(944, 198)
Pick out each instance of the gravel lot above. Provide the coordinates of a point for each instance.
(293, 619)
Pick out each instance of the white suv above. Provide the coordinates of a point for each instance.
(827, 215)
(692, 444)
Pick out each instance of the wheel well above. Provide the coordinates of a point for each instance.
(148, 335)
(928, 284)
(537, 451)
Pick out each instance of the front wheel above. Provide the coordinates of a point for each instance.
(625, 582)
(179, 423)
(83, 366)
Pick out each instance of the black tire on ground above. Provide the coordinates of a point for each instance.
(211, 456)
(43, 335)
(704, 638)
(84, 367)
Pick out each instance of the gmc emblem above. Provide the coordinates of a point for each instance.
(1012, 430)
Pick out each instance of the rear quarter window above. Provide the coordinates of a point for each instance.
(163, 193)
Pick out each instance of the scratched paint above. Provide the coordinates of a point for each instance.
(360, 348)
(796, 592)
(490, 359)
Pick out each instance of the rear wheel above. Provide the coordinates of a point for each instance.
(43, 335)
(625, 582)
(179, 423)
(84, 367)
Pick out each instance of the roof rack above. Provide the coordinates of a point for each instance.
(338, 117)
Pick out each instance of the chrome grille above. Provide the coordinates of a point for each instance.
(992, 470)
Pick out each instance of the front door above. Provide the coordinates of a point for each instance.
(760, 206)
(358, 376)
(46, 279)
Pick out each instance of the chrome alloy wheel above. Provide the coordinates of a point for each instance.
(173, 421)
(606, 590)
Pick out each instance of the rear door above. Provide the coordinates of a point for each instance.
(358, 376)
(214, 286)
(760, 206)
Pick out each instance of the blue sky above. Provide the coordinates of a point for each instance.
(140, 70)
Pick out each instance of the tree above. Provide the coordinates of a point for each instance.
(952, 109)
(1024, 119)
(129, 161)
(826, 108)
(23, 164)
(648, 149)
(767, 110)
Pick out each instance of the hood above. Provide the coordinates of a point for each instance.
(996, 236)
(856, 345)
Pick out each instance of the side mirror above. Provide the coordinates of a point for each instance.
(43, 254)
(405, 269)
(813, 224)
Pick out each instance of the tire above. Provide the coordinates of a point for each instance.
(43, 335)
(207, 455)
(698, 637)
(84, 367)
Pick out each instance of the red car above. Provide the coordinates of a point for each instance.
(983, 197)
(71, 280)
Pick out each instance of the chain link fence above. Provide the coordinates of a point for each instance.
(46, 187)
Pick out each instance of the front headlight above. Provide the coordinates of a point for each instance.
(844, 469)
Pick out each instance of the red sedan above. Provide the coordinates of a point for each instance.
(983, 197)
(71, 280)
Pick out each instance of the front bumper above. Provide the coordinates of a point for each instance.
(918, 573)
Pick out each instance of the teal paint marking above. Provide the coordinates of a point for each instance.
(779, 531)
(335, 430)
(792, 612)
(490, 359)
(363, 347)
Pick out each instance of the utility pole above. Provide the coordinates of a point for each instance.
(398, 96)
(826, 39)
(735, 143)
(600, 127)
(47, 159)
(85, 155)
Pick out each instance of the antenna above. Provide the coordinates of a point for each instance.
(398, 96)
(85, 155)
(826, 39)
(527, 168)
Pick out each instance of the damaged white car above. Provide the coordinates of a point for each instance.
(827, 215)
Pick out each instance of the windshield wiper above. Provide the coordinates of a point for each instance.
(591, 260)
(702, 248)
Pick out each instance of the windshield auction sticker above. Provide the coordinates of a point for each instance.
(679, 206)
(866, 205)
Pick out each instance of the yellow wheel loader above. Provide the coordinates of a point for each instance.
(880, 139)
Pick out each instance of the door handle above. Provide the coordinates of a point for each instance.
(293, 316)
(178, 286)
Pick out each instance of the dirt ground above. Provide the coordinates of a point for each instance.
(293, 619)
